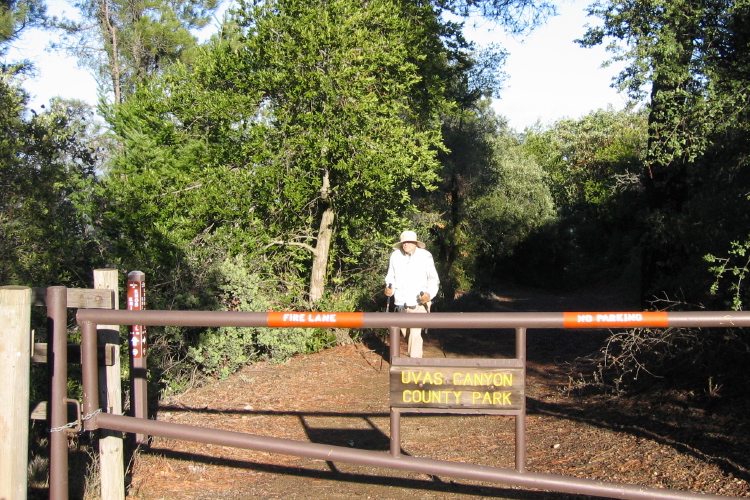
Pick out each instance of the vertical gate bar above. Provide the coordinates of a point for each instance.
(57, 347)
(395, 432)
(521, 417)
(394, 340)
(89, 371)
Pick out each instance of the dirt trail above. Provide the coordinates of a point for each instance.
(340, 397)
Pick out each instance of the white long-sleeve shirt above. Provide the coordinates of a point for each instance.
(411, 274)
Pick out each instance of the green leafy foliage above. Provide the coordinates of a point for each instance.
(689, 58)
(591, 159)
(127, 42)
(297, 111)
(592, 169)
(730, 273)
(686, 56)
(46, 173)
(17, 16)
(222, 351)
(352, 103)
(516, 202)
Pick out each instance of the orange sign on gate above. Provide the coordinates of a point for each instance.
(316, 319)
(654, 319)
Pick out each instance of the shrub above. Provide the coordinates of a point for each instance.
(224, 350)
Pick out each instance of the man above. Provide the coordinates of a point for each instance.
(413, 282)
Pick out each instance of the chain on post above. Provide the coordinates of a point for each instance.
(76, 425)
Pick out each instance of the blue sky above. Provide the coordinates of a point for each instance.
(550, 76)
(57, 75)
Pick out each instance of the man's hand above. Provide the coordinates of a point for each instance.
(388, 291)
(424, 297)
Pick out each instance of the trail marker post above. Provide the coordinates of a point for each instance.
(138, 349)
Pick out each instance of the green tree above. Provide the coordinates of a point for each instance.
(470, 136)
(468, 129)
(689, 59)
(692, 54)
(312, 123)
(515, 204)
(17, 16)
(354, 111)
(46, 174)
(590, 159)
(593, 169)
(125, 42)
(184, 190)
(666, 49)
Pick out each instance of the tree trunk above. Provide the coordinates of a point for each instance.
(111, 45)
(320, 255)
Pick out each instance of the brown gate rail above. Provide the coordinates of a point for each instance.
(88, 319)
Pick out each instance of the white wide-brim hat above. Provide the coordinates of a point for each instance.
(408, 236)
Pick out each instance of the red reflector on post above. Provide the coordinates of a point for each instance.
(658, 319)
(316, 319)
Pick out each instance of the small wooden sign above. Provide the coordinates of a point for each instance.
(78, 298)
(457, 387)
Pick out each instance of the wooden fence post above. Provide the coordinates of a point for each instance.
(15, 363)
(111, 451)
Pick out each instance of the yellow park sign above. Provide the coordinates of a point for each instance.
(457, 387)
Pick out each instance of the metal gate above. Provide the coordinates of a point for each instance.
(95, 419)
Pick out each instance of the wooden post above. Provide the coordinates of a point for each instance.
(111, 451)
(15, 361)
